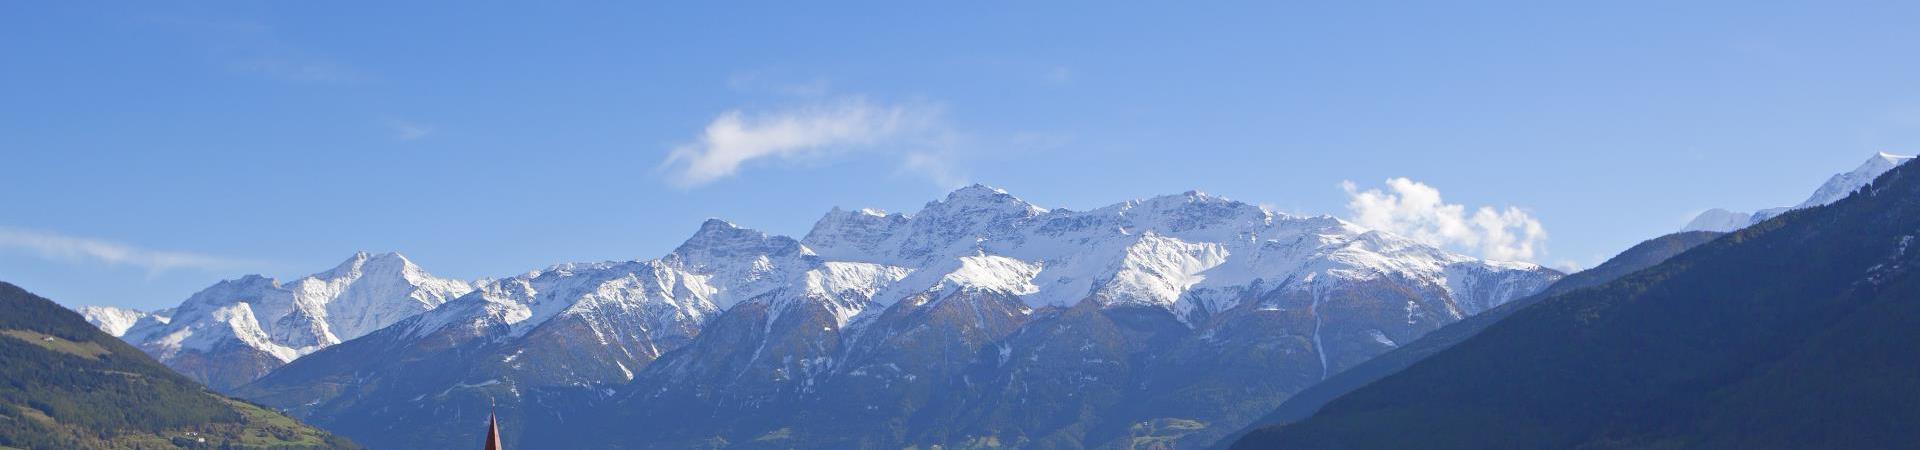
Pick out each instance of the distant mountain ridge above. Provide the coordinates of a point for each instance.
(885, 307)
(1836, 188)
(116, 321)
(237, 330)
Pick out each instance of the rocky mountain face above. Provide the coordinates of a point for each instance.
(68, 385)
(1836, 188)
(1796, 332)
(237, 330)
(980, 320)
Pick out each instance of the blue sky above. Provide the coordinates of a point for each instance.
(153, 149)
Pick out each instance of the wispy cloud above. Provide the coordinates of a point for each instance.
(1575, 265)
(406, 130)
(913, 133)
(1415, 210)
(61, 247)
(253, 47)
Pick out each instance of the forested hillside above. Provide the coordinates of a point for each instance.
(70, 385)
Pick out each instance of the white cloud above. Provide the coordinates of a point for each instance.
(828, 128)
(1569, 266)
(80, 249)
(1415, 210)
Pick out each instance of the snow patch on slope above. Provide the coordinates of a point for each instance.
(1157, 270)
(991, 273)
(116, 321)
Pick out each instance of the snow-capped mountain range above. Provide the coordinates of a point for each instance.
(1184, 253)
(236, 330)
(772, 319)
(979, 318)
(1836, 188)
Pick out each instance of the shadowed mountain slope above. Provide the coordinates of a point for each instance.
(1797, 332)
(1640, 256)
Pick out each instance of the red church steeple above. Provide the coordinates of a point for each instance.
(493, 434)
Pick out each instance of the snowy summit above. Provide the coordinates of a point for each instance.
(1836, 188)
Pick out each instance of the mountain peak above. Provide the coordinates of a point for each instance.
(715, 230)
(717, 225)
(1195, 209)
(719, 238)
(362, 259)
(979, 197)
(1842, 185)
(248, 281)
(1193, 196)
(1837, 187)
(852, 234)
(978, 194)
(1719, 220)
(1890, 158)
(1880, 163)
(976, 190)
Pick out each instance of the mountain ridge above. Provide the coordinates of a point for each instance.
(782, 320)
(1835, 188)
(236, 330)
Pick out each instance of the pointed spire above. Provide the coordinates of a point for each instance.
(493, 434)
